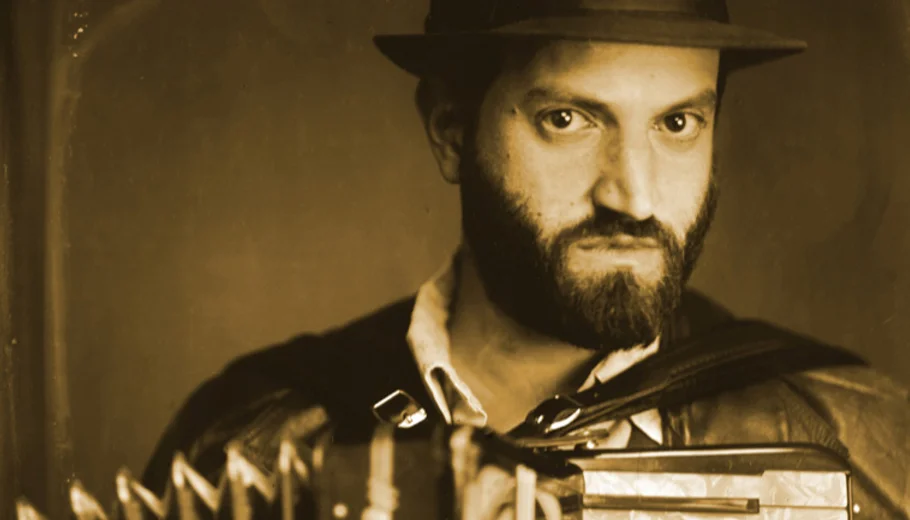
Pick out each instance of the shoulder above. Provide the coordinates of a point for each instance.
(853, 394)
(256, 395)
(840, 384)
(869, 413)
(866, 407)
(854, 384)
(866, 411)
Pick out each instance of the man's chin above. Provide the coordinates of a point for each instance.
(612, 310)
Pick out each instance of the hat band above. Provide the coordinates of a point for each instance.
(663, 6)
(484, 14)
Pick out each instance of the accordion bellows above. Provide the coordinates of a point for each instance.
(243, 492)
(467, 474)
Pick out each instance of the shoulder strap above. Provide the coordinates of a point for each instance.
(734, 356)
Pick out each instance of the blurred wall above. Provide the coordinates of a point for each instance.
(243, 171)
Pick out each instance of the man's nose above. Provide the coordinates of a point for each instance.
(626, 183)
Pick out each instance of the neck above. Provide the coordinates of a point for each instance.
(508, 366)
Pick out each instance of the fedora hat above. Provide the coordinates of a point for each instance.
(456, 28)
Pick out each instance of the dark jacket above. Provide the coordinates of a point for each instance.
(345, 371)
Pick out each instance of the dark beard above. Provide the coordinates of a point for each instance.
(530, 282)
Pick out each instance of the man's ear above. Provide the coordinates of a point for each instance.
(445, 129)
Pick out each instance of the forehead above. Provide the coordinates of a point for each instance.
(606, 69)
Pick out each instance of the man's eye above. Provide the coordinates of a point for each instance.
(564, 121)
(682, 125)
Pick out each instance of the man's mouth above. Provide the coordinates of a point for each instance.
(617, 242)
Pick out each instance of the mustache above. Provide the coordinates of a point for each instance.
(607, 223)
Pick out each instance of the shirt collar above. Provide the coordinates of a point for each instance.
(428, 339)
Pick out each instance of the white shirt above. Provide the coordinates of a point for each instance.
(428, 338)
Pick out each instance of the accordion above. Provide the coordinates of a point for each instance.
(464, 473)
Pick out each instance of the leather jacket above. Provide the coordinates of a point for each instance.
(337, 376)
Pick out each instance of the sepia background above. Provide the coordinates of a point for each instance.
(240, 171)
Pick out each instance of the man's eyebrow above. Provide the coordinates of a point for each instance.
(706, 99)
(556, 94)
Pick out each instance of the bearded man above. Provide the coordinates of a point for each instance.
(581, 136)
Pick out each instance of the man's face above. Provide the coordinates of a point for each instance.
(587, 187)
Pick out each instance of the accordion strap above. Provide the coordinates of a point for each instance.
(733, 356)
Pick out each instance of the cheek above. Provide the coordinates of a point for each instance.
(681, 186)
(551, 182)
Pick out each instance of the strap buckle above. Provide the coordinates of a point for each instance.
(554, 414)
(399, 409)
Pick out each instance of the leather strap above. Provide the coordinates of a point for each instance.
(734, 356)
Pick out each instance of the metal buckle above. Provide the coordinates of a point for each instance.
(554, 414)
(399, 409)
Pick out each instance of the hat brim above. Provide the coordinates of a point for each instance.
(423, 54)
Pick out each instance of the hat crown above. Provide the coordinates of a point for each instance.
(472, 15)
